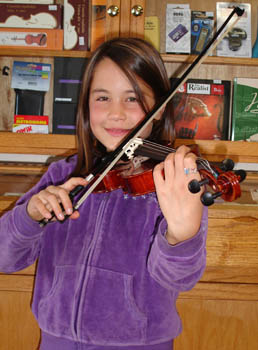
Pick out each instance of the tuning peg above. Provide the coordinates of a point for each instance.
(194, 186)
(207, 198)
(241, 174)
(227, 165)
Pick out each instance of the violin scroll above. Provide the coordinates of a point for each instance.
(224, 183)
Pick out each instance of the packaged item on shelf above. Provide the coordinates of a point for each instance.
(30, 16)
(37, 39)
(245, 109)
(67, 84)
(31, 76)
(30, 124)
(98, 23)
(30, 81)
(76, 25)
(178, 28)
(202, 26)
(255, 45)
(152, 31)
(202, 109)
(238, 41)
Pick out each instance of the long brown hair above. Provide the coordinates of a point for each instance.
(137, 59)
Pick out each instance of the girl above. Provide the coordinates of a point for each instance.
(109, 276)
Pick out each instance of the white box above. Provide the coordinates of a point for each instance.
(238, 42)
(178, 28)
(27, 1)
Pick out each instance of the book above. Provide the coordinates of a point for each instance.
(245, 109)
(76, 25)
(38, 39)
(152, 31)
(237, 42)
(98, 23)
(202, 109)
(14, 15)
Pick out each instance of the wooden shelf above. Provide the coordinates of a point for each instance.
(50, 144)
(188, 59)
(64, 145)
(43, 53)
(232, 61)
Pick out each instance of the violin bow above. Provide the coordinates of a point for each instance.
(111, 159)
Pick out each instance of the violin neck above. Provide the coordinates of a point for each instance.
(153, 150)
(160, 152)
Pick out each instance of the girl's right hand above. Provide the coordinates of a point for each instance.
(50, 199)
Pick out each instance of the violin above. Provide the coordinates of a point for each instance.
(221, 178)
(224, 182)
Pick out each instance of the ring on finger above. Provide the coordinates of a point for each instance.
(190, 171)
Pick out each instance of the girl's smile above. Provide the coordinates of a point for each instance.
(118, 132)
(114, 106)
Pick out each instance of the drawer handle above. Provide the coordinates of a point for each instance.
(137, 10)
(113, 10)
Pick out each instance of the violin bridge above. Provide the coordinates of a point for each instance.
(131, 146)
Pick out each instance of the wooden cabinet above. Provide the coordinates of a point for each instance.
(126, 19)
(221, 312)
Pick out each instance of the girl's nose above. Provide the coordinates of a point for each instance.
(117, 111)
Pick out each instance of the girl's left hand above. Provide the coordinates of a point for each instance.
(181, 208)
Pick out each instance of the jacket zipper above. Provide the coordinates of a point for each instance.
(84, 277)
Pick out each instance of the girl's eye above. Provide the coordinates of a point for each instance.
(132, 99)
(102, 98)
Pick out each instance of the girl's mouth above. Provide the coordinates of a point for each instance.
(117, 132)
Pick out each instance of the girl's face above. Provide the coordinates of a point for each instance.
(114, 108)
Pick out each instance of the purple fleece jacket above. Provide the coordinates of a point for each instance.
(109, 277)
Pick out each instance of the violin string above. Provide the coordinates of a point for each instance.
(164, 150)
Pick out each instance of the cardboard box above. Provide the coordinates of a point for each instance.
(31, 16)
(30, 124)
(237, 43)
(39, 39)
(178, 28)
(28, 1)
(76, 24)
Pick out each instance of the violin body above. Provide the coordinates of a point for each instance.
(136, 184)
